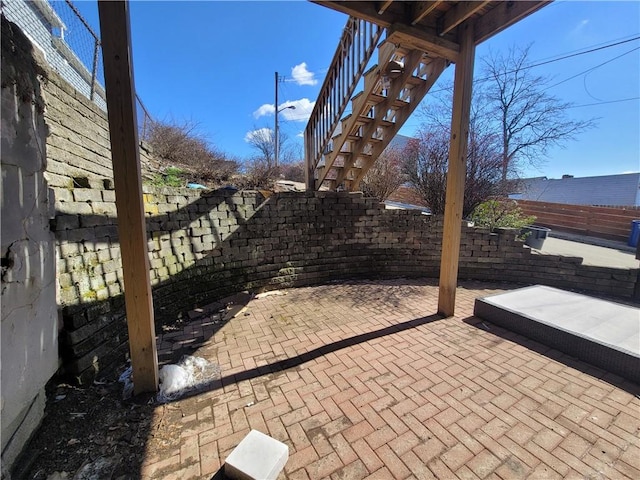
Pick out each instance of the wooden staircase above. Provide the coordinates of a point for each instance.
(392, 90)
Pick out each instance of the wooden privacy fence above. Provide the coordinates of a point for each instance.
(612, 223)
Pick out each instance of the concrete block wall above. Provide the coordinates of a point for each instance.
(501, 257)
(88, 264)
(205, 245)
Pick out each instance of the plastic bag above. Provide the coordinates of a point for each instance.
(173, 380)
(126, 378)
(189, 375)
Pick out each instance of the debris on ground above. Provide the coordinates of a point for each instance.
(91, 433)
(191, 374)
(272, 293)
(127, 391)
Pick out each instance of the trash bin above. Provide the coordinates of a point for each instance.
(535, 235)
(635, 233)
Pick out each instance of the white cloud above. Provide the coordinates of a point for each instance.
(301, 113)
(579, 27)
(301, 134)
(266, 109)
(302, 76)
(259, 134)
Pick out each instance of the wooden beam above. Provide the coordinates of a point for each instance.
(504, 15)
(308, 161)
(417, 38)
(123, 132)
(383, 6)
(365, 10)
(458, 14)
(456, 172)
(423, 9)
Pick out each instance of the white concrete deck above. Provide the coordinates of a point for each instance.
(603, 333)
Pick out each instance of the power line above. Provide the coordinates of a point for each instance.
(607, 42)
(637, 37)
(603, 103)
(592, 68)
(564, 57)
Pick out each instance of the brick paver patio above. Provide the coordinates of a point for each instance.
(361, 380)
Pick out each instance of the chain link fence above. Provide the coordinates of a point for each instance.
(83, 42)
(70, 45)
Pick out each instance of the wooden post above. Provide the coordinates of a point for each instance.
(457, 171)
(123, 131)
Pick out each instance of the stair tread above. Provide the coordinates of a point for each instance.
(377, 99)
(358, 137)
(384, 123)
(414, 80)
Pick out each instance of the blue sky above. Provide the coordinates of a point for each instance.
(214, 63)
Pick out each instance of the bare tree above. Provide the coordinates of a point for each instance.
(263, 141)
(385, 176)
(426, 168)
(528, 120)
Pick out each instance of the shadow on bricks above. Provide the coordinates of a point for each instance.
(298, 360)
(553, 354)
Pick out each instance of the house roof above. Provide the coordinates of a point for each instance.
(618, 190)
(400, 141)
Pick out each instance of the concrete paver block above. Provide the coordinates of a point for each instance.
(257, 457)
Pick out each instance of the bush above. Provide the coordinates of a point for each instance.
(170, 177)
(182, 144)
(500, 214)
(293, 171)
(259, 173)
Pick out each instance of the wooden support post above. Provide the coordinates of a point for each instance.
(123, 131)
(308, 169)
(457, 171)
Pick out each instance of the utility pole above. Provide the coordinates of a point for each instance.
(277, 130)
(277, 140)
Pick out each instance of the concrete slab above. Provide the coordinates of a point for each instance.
(603, 333)
(257, 457)
(602, 256)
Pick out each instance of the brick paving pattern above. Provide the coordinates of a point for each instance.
(362, 380)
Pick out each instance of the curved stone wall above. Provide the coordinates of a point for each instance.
(206, 245)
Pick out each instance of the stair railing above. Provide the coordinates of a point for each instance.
(357, 44)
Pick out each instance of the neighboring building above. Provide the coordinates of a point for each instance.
(607, 190)
(43, 26)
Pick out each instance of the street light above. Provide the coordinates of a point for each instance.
(277, 139)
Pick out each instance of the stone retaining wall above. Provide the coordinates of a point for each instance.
(203, 246)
